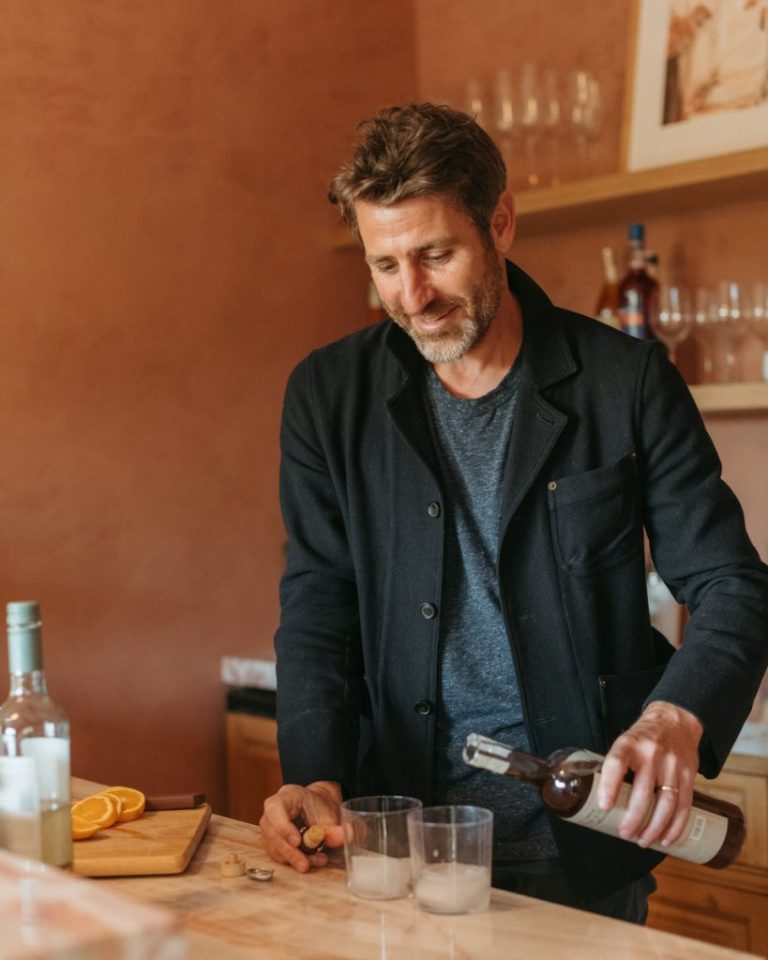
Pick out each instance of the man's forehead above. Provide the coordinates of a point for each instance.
(412, 225)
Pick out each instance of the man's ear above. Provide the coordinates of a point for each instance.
(503, 223)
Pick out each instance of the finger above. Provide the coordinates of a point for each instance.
(334, 836)
(611, 777)
(678, 826)
(665, 808)
(640, 802)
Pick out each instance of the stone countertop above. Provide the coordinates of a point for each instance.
(248, 672)
(314, 917)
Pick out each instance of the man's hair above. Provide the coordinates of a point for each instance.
(421, 150)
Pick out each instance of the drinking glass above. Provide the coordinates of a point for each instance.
(552, 127)
(585, 115)
(758, 320)
(704, 321)
(476, 105)
(451, 858)
(531, 122)
(730, 327)
(376, 848)
(507, 126)
(672, 319)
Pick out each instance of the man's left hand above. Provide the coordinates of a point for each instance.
(662, 750)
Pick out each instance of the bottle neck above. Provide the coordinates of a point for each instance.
(29, 683)
(636, 255)
(488, 754)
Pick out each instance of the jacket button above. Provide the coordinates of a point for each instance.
(551, 485)
(434, 509)
(423, 708)
(428, 610)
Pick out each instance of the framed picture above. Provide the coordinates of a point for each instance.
(699, 80)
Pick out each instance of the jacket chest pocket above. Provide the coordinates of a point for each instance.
(595, 517)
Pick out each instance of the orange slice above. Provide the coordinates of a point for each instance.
(99, 809)
(82, 828)
(132, 802)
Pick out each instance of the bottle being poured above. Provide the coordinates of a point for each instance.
(568, 781)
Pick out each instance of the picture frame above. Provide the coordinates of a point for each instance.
(698, 80)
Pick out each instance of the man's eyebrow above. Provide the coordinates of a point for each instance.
(437, 243)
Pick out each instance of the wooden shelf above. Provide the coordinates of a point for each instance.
(730, 178)
(731, 397)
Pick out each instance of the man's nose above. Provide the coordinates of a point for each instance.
(415, 290)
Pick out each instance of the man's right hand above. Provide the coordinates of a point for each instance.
(316, 803)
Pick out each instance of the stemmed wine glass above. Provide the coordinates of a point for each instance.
(585, 115)
(531, 121)
(758, 320)
(507, 123)
(672, 320)
(731, 326)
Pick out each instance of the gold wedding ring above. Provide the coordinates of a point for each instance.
(668, 789)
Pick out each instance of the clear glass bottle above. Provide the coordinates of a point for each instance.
(568, 780)
(607, 306)
(33, 727)
(638, 290)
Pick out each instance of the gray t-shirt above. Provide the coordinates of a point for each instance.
(478, 687)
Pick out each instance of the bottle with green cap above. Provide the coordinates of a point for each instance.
(34, 734)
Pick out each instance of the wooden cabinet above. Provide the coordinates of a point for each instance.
(253, 765)
(727, 907)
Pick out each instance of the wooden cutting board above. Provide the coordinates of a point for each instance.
(159, 842)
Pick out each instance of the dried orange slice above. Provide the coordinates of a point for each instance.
(132, 802)
(98, 808)
(82, 828)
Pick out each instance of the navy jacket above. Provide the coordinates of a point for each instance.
(606, 441)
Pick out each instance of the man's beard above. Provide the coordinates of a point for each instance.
(476, 314)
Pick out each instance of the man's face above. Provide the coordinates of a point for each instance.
(435, 276)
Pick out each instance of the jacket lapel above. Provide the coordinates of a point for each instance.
(545, 359)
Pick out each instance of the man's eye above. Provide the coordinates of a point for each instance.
(438, 257)
(386, 267)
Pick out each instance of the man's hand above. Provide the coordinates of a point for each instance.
(316, 803)
(661, 748)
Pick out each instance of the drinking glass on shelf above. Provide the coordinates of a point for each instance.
(758, 320)
(507, 126)
(552, 127)
(730, 327)
(704, 317)
(531, 122)
(585, 116)
(672, 320)
(476, 105)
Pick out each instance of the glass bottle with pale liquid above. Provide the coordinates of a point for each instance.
(34, 749)
(568, 780)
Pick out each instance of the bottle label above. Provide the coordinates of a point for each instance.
(702, 838)
(20, 830)
(51, 756)
(633, 322)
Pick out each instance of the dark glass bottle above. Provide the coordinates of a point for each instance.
(567, 782)
(638, 290)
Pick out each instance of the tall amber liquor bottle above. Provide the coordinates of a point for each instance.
(638, 290)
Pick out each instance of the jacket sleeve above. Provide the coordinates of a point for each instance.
(319, 665)
(701, 549)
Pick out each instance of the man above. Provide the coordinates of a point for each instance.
(465, 488)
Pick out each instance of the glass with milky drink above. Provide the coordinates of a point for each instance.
(376, 848)
(451, 858)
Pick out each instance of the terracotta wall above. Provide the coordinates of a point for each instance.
(701, 245)
(165, 259)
